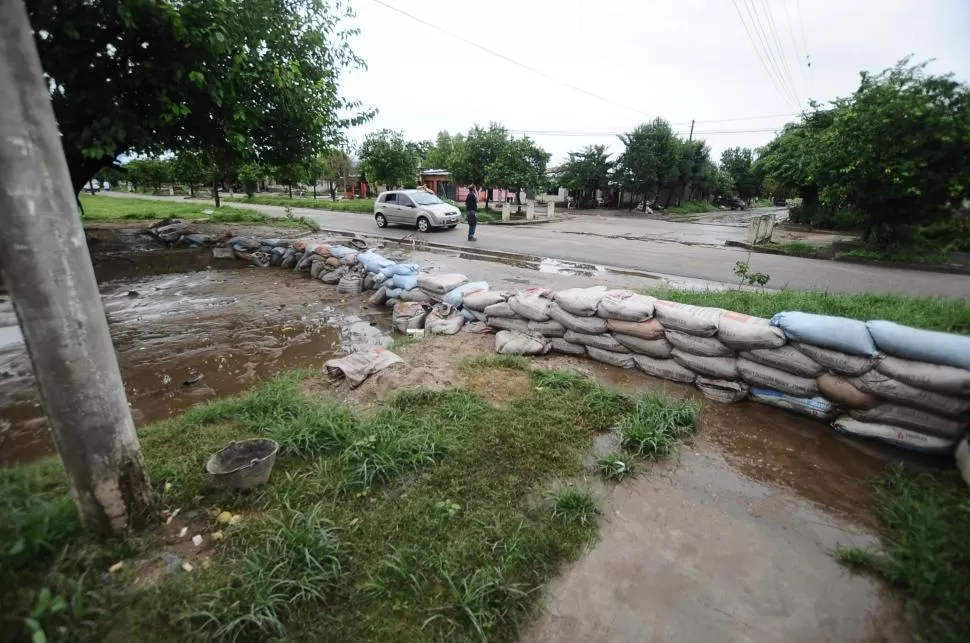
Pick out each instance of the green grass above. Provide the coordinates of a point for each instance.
(797, 249)
(926, 527)
(691, 207)
(417, 521)
(932, 313)
(365, 206)
(924, 255)
(657, 425)
(105, 208)
(615, 467)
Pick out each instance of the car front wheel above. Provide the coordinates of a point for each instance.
(423, 224)
(381, 220)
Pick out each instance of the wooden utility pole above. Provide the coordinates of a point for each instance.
(48, 270)
(691, 137)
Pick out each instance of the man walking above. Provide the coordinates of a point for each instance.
(471, 211)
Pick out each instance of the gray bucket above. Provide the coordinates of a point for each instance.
(243, 465)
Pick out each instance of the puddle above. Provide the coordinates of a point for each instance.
(234, 327)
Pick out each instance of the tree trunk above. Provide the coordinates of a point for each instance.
(314, 190)
(91, 186)
(215, 191)
(518, 201)
(192, 189)
(289, 190)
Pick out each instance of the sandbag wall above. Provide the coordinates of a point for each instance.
(877, 379)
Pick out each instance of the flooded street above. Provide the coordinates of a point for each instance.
(234, 327)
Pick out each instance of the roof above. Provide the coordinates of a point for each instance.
(435, 173)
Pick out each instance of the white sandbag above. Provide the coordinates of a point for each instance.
(482, 299)
(786, 358)
(625, 305)
(837, 361)
(840, 390)
(667, 369)
(649, 329)
(887, 388)
(622, 360)
(560, 345)
(531, 307)
(547, 328)
(935, 377)
(415, 294)
(456, 297)
(658, 348)
(725, 368)
(440, 284)
(921, 345)
(508, 342)
(500, 309)
(963, 459)
(723, 391)
(408, 315)
(744, 332)
(508, 323)
(444, 319)
(697, 345)
(837, 333)
(695, 320)
(588, 325)
(916, 419)
(816, 407)
(895, 435)
(351, 283)
(603, 342)
(581, 302)
(763, 376)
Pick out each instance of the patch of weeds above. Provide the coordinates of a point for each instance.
(925, 529)
(615, 467)
(401, 342)
(517, 362)
(476, 601)
(388, 447)
(574, 506)
(316, 431)
(560, 381)
(657, 424)
(604, 407)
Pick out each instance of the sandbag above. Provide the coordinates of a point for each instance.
(290, 257)
(588, 325)
(333, 262)
(625, 305)
(334, 276)
(508, 342)
(394, 293)
(547, 328)
(473, 315)
(916, 419)
(349, 260)
(935, 377)
(744, 332)
(604, 342)
(482, 299)
(816, 407)
(337, 251)
(379, 296)
(667, 369)
(456, 297)
(837, 333)
(351, 283)
(649, 329)
(531, 307)
(725, 368)
(708, 346)
(441, 284)
(368, 282)
(415, 294)
(444, 319)
(622, 360)
(408, 315)
(658, 348)
(391, 302)
(887, 388)
(895, 435)
(723, 391)
(921, 345)
(836, 361)
(317, 268)
(560, 345)
(581, 302)
(786, 358)
(963, 459)
(404, 282)
(401, 269)
(372, 261)
(508, 323)
(767, 377)
(694, 320)
(840, 390)
(501, 309)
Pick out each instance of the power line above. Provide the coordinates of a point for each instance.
(794, 46)
(507, 59)
(780, 48)
(764, 39)
(757, 51)
(808, 58)
(575, 133)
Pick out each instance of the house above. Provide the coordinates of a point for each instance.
(439, 182)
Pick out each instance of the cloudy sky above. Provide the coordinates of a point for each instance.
(597, 68)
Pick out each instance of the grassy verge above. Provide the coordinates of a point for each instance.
(436, 517)
(926, 527)
(691, 207)
(103, 208)
(932, 313)
(798, 249)
(365, 206)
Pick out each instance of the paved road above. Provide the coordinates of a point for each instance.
(661, 247)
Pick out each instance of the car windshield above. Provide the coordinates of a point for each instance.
(423, 198)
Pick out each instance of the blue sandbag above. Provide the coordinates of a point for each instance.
(921, 345)
(394, 293)
(341, 251)
(455, 297)
(405, 269)
(373, 262)
(405, 282)
(837, 333)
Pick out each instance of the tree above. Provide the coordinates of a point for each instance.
(335, 165)
(149, 172)
(387, 160)
(738, 162)
(586, 172)
(192, 168)
(246, 80)
(649, 161)
(521, 164)
(439, 156)
(474, 155)
(290, 174)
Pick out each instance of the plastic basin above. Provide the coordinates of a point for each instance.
(243, 465)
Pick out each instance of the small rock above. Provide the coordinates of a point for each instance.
(192, 379)
(172, 563)
(197, 540)
(184, 531)
(167, 379)
(187, 566)
(134, 293)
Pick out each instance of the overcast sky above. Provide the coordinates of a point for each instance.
(678, 59)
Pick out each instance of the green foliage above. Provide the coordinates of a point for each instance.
(742, 270)
(576, 508)
(386, 159)
(98, 208)
(194, 168)
(586, 172)
(615, 467)
(440, 155)
(520, 165)
(738, 163)
(656, 425)
(473, 155)
(691, 207)
(149, 172)
(365, 206)
(649, 161)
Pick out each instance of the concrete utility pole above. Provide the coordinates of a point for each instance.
(48, 271)
(691, 137)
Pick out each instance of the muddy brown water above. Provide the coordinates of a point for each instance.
(233, 327)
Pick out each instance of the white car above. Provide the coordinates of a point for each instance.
(414, 208)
